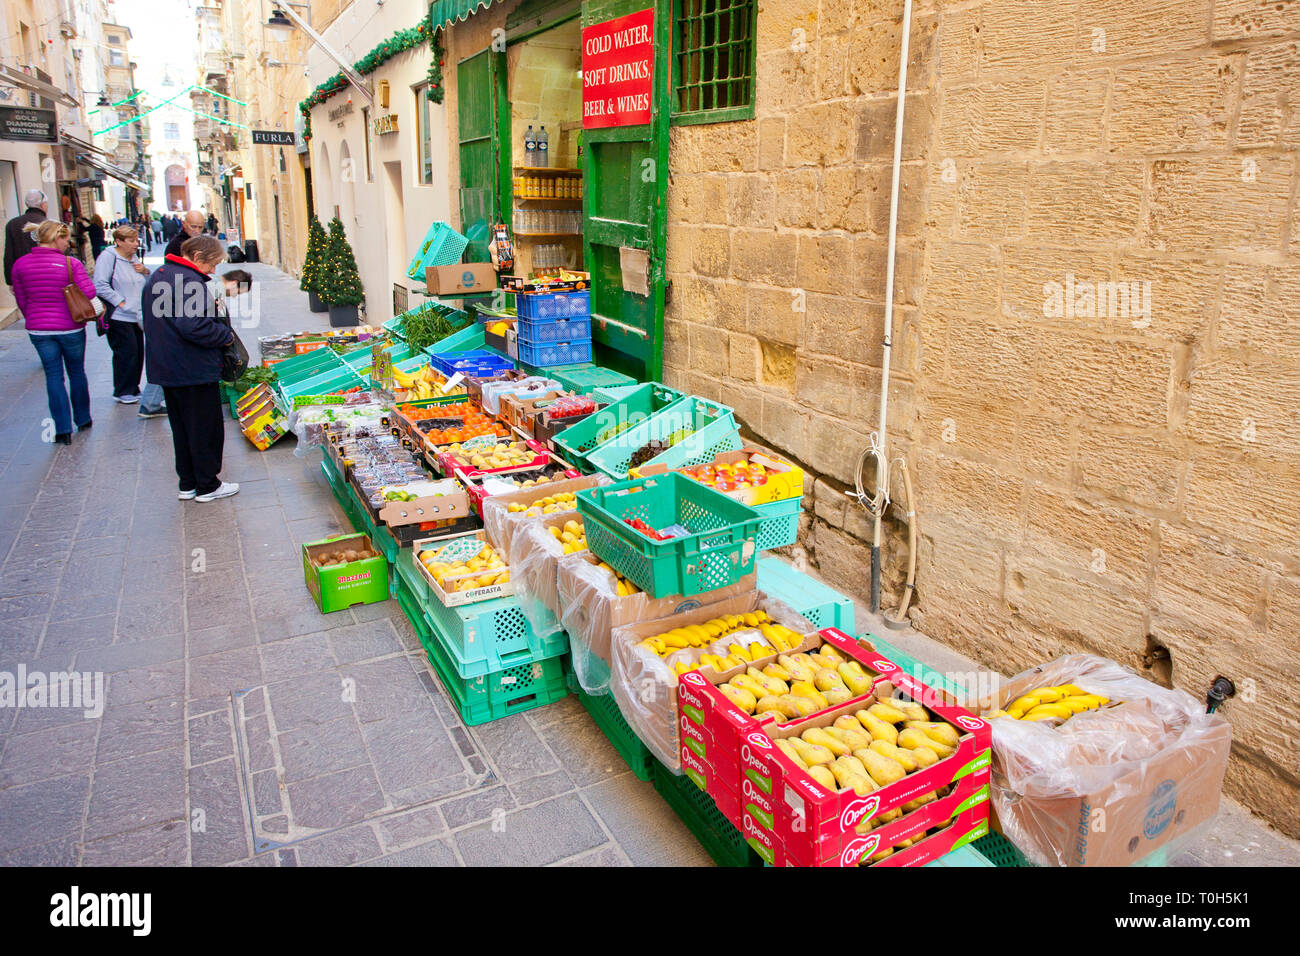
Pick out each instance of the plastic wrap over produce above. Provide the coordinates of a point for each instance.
(645, 685)
(591, 607)
(500, 522)
(536, 549)
(311, 422)
(1111, 784)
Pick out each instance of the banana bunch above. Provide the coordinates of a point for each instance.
(419, 384)
(622, 586)
(1060, 702)
(872, 748)
(795, 685)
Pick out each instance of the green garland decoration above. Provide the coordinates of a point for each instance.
(399, 42)
(436, 92)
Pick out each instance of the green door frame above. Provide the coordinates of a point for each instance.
(635, 348)
(498, 130)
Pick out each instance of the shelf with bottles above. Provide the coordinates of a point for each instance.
(555, 170)
(576, 235)
(529, 185)
(547, 222)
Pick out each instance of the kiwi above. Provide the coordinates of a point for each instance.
(350, 556)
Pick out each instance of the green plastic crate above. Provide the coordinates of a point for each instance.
(231, 398)
(340, 490)
(604, 711)
(712, 430)
(485, 636)
(696, 809)
(511, 690)
(328, 382)
(303, 366)
(585, 378)
(576, 442)
(779, 526)
(821, 605)
(718, 552)
(609, 394)
(999, 850)
(463, 341)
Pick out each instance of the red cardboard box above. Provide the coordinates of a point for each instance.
(817, 826)
(966, 827)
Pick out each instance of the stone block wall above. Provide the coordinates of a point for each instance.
(1096, 363)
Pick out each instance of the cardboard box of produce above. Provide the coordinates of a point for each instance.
(448, 506)
(500, 521)
(462, 581)
(518, 409)
(782, 479)
(461, 278)
(821, 826)
(1106, 786)
(344, 571)
(644, 684)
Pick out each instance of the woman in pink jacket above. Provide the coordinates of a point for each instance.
(39, 278)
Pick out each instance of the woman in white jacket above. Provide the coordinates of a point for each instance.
(119, 281)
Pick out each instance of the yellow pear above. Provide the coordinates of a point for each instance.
(879, 729)
(945, 734)
(882, 769)
(904, 757)
(855, 680)
(818, 736)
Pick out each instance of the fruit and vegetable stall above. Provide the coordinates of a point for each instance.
(560, 528)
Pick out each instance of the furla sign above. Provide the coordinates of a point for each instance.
(272, 137)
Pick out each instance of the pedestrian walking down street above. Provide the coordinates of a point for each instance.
(119, 280)
(184, 340)
(189, 227)
(39, 278)
(157, 231)
(141, 227)
(95, 230)
(212, 224)
(19, 242)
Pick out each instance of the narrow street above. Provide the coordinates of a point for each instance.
(225, 738)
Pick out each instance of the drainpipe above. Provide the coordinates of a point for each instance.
(881, 443)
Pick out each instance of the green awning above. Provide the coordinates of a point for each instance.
(449, 11)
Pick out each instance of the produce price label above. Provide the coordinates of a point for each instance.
(617, 67)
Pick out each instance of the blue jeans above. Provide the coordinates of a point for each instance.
(57, 352)
(151, 399)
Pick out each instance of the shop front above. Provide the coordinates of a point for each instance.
(559, 113)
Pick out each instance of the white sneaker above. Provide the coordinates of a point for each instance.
(126, 399)
(186, 495)
(226, 489)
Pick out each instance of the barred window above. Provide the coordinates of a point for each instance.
(713, 60)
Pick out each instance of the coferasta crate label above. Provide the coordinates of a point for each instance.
(617, 68)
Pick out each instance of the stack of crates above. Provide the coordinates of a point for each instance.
(554, 328)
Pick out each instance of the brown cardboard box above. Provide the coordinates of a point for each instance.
(461, 278)
(1148, 772)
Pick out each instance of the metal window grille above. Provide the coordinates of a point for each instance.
(713, 60)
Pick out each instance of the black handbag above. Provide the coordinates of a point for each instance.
(234, 359)
(101, 321)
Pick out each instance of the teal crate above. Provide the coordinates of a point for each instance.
(442, 246)
(511, 690)
(341, 494)
(394, 327)
(823, 606)
(609, 394)
(998, 850)
(465, 340)
(711, 430)
(485, 636)
(920, 671)
(718, 552)
(780, 523)
(604, 711)
(585, 378)
(231, 398)
(306, 365)
(379, 535)
(594, 431)
(328, 382)
(696, 809)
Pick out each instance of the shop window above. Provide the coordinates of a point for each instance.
(423, 135)
(713, 60)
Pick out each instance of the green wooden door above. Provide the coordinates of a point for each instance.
(626, 173)
(480, 100)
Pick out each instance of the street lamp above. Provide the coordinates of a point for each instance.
(280, 26)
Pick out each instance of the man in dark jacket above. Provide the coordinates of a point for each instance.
(17, 242)
(184, 337)
(190, 226)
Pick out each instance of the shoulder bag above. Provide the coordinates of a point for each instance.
(101, 321)
(80, 307)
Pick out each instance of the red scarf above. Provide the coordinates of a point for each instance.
(182, 261)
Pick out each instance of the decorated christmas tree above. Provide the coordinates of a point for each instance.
(340, 282)
(312, 262)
